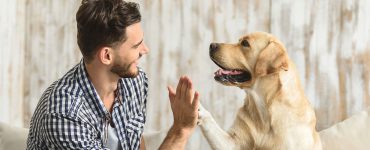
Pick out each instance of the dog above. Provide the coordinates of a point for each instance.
(276, 113)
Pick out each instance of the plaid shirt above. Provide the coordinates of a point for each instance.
(70, 114)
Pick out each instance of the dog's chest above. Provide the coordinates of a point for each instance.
(281, 125)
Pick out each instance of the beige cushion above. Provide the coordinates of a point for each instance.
(12, 138)
(350, 134)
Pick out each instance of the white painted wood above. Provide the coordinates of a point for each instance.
(51, 47)
(12, 29)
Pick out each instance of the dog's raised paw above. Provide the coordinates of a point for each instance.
(202, 115)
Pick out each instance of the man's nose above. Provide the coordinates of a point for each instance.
(144, 50)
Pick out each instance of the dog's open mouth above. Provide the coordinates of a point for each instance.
(232, 75)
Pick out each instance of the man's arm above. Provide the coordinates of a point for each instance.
(142, 144)
(184, 105)
(175, 139)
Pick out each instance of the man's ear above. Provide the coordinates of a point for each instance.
(271, 59)
(105, 55)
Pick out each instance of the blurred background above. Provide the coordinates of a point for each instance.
(329, 41)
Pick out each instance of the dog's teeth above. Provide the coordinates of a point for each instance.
(218, 72)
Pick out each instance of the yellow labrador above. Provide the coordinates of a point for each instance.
(276, 113)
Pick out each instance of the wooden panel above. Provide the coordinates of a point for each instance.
(12, 29)
(328, 41)
(51, 47)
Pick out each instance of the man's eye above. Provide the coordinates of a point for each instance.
(136, 46)
(245, 43)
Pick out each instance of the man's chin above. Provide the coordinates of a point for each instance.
(130, 74)
(123, 72)
(133, 75)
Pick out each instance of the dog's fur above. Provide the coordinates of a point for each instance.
(276, 113)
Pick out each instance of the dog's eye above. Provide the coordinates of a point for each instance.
(245, 43)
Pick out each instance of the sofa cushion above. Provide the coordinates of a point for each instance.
(352, 133)
(12, 138)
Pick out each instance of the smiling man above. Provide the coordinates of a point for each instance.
(101, 102)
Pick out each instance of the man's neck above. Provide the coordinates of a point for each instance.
(104, 82)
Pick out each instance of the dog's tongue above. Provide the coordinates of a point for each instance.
(227, 72)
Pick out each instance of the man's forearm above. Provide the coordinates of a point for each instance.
(175, 139)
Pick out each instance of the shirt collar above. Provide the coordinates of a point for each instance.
(90, 92)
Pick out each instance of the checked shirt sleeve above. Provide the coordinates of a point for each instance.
(62, 132)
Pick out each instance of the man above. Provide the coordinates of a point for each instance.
(101, 102)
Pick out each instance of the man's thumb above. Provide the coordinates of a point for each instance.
(171, 93)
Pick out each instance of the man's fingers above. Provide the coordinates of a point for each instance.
(189, 92)
(196, 101)
(178, 89)
(171, 93)
(184, 87)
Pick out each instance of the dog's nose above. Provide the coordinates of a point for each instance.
(213, 47)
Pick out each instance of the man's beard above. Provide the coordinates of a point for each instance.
(123, 70)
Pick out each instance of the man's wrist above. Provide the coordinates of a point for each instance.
(180, 132)
(176, 138)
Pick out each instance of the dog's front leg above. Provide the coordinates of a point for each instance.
(217, 138)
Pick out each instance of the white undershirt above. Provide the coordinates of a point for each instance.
(113, 141)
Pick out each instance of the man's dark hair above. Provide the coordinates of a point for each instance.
(103, 23)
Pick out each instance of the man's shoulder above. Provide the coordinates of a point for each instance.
(64, 95)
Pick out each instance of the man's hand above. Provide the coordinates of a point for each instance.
(184, 105)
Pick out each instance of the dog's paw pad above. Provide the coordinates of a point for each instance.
(200, 122)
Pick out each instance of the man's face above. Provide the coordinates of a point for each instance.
(127, 55)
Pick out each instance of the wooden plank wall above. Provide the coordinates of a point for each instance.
(328, 40)
(12, 63)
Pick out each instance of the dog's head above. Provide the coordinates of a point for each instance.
(254, 56)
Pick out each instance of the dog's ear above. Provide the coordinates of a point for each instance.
(271, 59)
